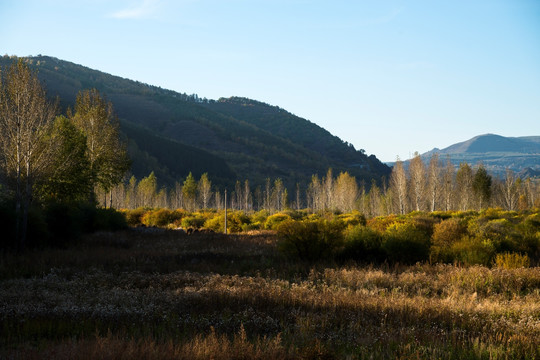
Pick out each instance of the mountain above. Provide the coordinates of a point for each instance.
(230, 138)
(497, 153)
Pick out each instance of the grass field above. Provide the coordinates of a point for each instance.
(154, 294)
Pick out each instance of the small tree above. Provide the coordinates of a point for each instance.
(147, 190)
(189, 190)
(398, 183)
(481, 186)
(205, 190)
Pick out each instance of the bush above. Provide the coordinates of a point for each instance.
(425, 223)
(161, 217)
(512, 261)
(237, 221)
(405, 243)
(310, 240)
(109, 220)
(445, 234)
(194, 221)
(273, 221)
(381, 223)
(473, 251)
(134, 217)
(353, 219)
(64, 223)
(260, 216)
(362, 244)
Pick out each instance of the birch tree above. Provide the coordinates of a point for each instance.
(205, 190)
(398, 183)
(417, 174)
(25, 117)
(434, 182)
(106, 153)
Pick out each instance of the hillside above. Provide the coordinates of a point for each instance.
(232, 139)
(496, 153)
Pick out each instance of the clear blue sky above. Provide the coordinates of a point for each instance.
(390, 77)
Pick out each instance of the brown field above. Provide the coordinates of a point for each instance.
(158, 294)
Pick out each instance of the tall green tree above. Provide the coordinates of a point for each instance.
(68, 176)
(25, 119)
(147, 190)
(189, 190)
(481, 186)
(106, 152)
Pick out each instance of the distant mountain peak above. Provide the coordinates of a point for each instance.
(497, 153)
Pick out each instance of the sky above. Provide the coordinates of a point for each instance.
(390, 77)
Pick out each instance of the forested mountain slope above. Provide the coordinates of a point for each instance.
(231, 139)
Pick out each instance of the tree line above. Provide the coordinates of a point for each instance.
(437, 186)
(47, 157)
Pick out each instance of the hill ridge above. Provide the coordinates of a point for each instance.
(253, 139)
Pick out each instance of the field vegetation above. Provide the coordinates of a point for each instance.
(442, 285)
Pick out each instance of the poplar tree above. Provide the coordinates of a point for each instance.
(25, 118)
(398, 183)
(205, 190)
(106, 153)
(345, 192)
(464, 177)
(417, 174)
(147, 190)
(434, 181)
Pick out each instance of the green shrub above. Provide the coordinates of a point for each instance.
(109, 220)
(381, 223)
(295, 214)
(260, 216)
(161, 217)
(445, 234)
(237, 221)
(194, 221)
(352, 219)
(425, 223)
(134, 217)
(273, 221)
(512, 261)
(502, 233)
(362, 244)
(405, 243)
(310, 240)
(217, 223)
(473, 251)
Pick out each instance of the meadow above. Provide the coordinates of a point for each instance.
(155, 292)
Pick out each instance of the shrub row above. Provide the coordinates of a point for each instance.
(449, 237)
(56, 224)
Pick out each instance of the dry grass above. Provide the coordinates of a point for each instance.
(164, 295)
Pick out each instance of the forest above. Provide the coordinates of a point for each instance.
(439, 186)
